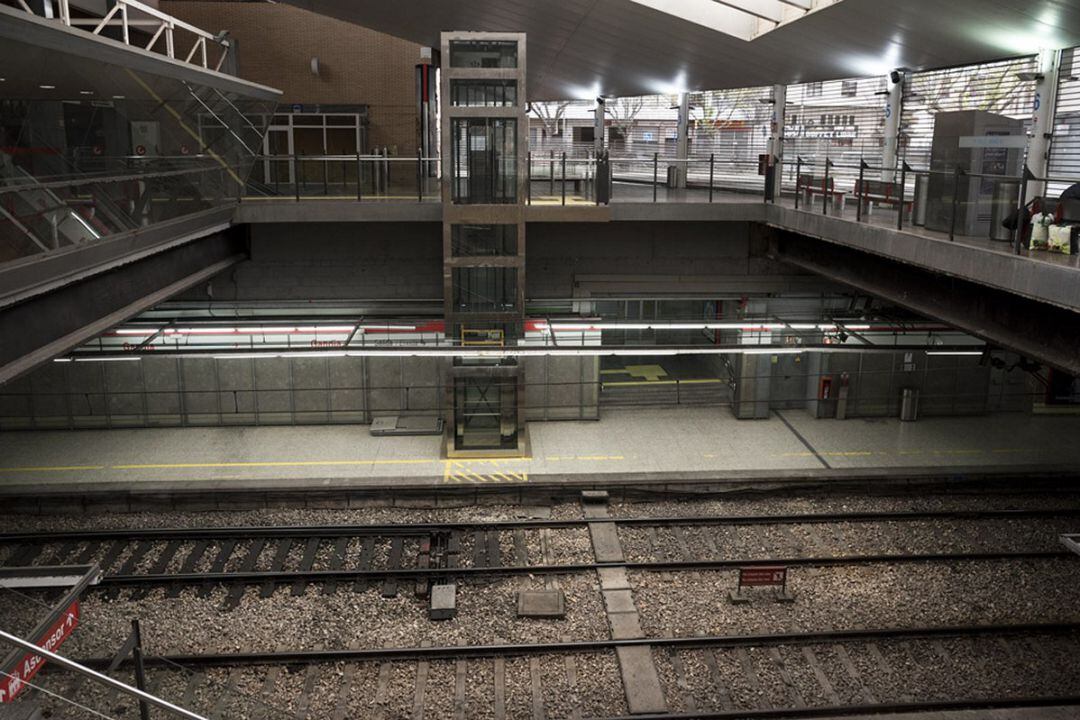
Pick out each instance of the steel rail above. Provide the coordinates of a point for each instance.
(288, 576)
(410, 529)
(291, 657)
(883, 709)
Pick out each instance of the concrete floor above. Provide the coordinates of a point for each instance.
(669, 442)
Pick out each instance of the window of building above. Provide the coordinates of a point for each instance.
(849, 88)
(483, 53)
(814, 89)
(483, 93)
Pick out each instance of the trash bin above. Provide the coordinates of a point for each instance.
(922, 186)
(1006, 195)
(909, 404)
(673, 176)
(603, 181)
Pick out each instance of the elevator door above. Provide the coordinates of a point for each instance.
(485, 413)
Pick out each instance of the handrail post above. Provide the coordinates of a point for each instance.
(1018, 231)
(655, 173)
(825, 189)
(563, 171)
(359, 177)
(712, 168)
(528, 178)
(798, 179)
(296, 178)
(551, 173)
(904, 167)
(955, 201)
(325, 177)
(140, 670)
(419, 176)
(862, 190)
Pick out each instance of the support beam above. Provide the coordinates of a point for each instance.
(1036, 330)
(52, 323)
(1042, 128)
(894, 108)
(682, 140)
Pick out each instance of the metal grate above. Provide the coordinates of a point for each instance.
(1065, 147)
(992, 87)
(839, 120)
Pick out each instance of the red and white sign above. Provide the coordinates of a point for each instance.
(762, 576)
(140, 149)
(14, 682)
(184, 149)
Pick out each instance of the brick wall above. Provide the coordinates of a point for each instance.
(357, 66)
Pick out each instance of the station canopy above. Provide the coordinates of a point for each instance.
(579, 49)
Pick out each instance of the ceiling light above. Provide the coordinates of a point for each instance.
(118, 97)
(47, 87)
(86, 92)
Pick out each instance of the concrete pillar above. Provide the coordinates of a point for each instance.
(894, 108)
(599, 116)
(1046, 87)
(776, 133)
(682, 142)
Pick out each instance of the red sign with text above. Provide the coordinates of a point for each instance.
(16, 678)
(757, 576)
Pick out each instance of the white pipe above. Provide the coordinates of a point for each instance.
(94, 675)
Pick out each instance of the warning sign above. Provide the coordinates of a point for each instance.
(16, 677)
(140, 149)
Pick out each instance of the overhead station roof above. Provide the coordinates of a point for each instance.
(583, 48)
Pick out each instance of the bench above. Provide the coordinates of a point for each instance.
(882, 192)
(810, 186)
(542, 171)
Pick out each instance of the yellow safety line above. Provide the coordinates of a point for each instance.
(297, 463)
(55, 468)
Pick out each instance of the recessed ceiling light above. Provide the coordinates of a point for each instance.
(86, 92)
(118, 97)
(47, 87)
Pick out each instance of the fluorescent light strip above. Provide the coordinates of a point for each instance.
(955, 352)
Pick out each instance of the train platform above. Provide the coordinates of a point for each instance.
(661, 445)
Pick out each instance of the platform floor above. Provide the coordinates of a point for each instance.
(668, 443)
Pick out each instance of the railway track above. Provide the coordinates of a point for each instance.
(776, 676)
(338, 556)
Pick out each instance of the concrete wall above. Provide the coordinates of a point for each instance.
(357, 66)
(562, 388)
(628, 258)
(334, 261)
(164, 392)
(948, 385)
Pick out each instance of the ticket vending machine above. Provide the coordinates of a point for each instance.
(976, 142)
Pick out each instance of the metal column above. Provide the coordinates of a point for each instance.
(1042, 127)
(598, 126)
(682, 142)
(894, 107)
